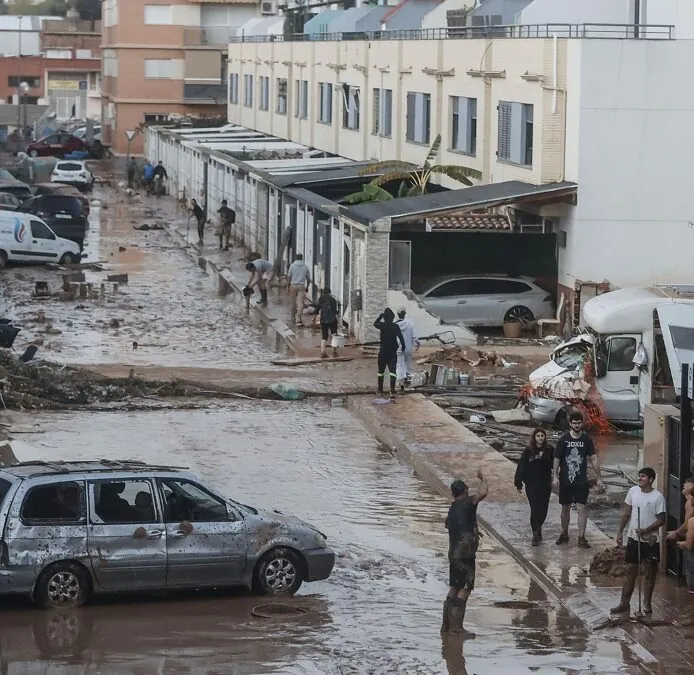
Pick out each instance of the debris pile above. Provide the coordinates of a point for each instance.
(51, 386)
(609, 562)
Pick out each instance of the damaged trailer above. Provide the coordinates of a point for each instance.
(631, 354)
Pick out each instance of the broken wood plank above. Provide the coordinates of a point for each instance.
(308, 360)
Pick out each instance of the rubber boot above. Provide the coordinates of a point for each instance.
(380, 384)
(536, 539)
(323, 345)
(263, 297)
(392, 386)
(624, 605)
(456, 617)
(446, 623)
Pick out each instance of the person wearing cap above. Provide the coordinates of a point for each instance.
(405, 364)
(463, 537)
(644, 512)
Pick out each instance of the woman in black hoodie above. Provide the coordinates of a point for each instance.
(535, 471)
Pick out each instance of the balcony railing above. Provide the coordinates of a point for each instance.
(209, 36)
(613, 31)
(205, 93)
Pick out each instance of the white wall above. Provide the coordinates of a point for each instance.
(576, 11)
(634, 221)
(679, 13)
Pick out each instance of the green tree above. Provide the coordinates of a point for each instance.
(413, 181)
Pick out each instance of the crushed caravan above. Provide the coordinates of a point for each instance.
(631, 354)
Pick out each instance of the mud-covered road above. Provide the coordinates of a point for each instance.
(378, 613)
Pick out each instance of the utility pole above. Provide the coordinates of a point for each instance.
(19, 83)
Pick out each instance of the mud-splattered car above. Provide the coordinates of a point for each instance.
(71, 529)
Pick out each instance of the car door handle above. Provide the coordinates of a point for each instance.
(33, 241)
(154, 534)
(462, 302)
(178, 534)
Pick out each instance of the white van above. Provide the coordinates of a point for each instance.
(632, 352)
(26, 238)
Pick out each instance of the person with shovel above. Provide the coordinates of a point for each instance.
(388, 351)
(644, 511)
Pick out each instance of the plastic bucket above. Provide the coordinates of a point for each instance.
(338, 341)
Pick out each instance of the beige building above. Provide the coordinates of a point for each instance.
(162, 59)
(388, 99)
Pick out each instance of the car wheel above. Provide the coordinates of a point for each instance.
(3, 259)
(279, 572)
(68, 259)
(34, 153)
(519, 313)
(62, 586)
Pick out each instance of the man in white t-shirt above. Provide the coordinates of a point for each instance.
(644, 511)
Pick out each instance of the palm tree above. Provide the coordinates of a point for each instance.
(414, 181)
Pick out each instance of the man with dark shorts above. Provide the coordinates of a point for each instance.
(463, 537)
(574, 450)
(644, 511)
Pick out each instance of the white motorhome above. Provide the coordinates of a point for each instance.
(24, 237)
(636, 341)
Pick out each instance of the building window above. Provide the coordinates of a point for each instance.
(264, 85)
(382, 113)
(159, 68)
(464, 124)
(515, 142)
(325, 102)
(234, 88)
(59, 53)
(301, 104)
(14, 81)
(350, 107)
(282, 95)
(158, 15)
(94, 81)
(418, 117)
(83, 53)
(248, 91)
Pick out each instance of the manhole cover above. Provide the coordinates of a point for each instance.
(278, 611)
(516, 604)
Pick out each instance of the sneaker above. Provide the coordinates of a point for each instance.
(583, 543)
(563, 539)
(536, 539)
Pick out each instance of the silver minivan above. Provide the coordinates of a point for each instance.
(71, 529)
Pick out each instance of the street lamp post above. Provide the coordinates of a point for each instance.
(19, 81)
(24, 90)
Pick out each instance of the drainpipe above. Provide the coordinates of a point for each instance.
(555, 47)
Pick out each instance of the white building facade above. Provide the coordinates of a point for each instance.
(615, 115)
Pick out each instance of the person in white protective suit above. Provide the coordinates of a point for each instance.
(405, 365)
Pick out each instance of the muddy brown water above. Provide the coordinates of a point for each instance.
(380, 611)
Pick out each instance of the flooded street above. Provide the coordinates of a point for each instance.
(379, 612)
(169, 306)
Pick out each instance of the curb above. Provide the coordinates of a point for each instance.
(281, 329)
(580, 604)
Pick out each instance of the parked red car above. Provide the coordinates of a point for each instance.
(56, 145)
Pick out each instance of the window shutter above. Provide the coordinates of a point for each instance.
(376, 112)
(504, 138)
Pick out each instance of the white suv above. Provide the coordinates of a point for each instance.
(73, 172)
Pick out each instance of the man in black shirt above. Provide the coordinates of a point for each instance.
(227, 217)
(463, 537)
(573, 452)
(388, 353)
(160, 171)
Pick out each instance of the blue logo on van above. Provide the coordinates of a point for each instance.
(20, 230)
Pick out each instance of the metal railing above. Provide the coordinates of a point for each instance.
(214, 93)
(615, 31)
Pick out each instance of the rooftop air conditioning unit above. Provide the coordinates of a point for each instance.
(268, 7)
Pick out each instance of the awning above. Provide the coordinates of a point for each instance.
(452, 202)
(470, 222)
(677, 324)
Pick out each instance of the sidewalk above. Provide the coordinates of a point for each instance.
(439, 449)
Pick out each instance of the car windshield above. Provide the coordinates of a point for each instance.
(6, 175)
(61, 203)
(571, 357)
(19, 190)
(69, 166)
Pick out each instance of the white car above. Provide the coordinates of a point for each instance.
(487, 300)
(73, 172)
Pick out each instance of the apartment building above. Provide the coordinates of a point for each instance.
(596, 104)
(165, 58)
(60, 63)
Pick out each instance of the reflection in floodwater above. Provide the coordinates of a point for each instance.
(380, 612)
